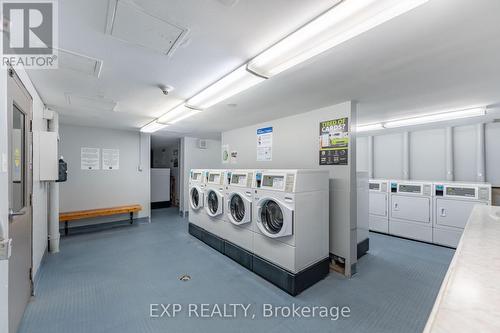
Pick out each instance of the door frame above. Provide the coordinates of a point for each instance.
(12, 74)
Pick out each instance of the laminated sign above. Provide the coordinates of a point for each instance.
(334, 142)
(265, 144)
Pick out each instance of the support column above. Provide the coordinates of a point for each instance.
(54, 235)
(406, 156)
(481, 154)
(371, 173)
(450, 164)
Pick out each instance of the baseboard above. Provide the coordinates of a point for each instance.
(161, 204)
(363, 247)
(292, 283)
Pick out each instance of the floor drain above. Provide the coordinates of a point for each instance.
(185, 277)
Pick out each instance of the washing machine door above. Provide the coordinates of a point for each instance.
(274, 219)
(213, 203)
(196, 197)
(239, 209)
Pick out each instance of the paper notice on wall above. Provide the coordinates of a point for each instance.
(265, 144)
(111, 159)
(234, 157)
(225, 154)
(90, 158)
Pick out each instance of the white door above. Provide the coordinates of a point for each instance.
(214, 203)
(411, 208)
(454, 213)
(274, 219)
(239, 209)
(378, 204)
(20, 178)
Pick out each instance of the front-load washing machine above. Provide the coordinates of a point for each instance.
(379, 205)
(240, 226)
(411, 211)
(291, 241)
(453, 204)
(214, 202)
(197, 214)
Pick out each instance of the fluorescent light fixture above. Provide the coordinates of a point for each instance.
(433, 118)
(341, 23)
(153, 127)
(367, 128)
(230, 85)
(177, 114)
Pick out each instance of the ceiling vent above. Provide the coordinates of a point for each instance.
(202, 144)
(91, 103)
(130, 23)
(79, 63)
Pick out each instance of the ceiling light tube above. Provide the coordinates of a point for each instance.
(433, 118)
(186, 115)
(230, 85)
(371, 127)
(153, 127)
(175, 113)
(341, 23)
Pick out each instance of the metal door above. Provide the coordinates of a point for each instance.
(378, 204)
(411, 208)
(454, 213)
(20, 185)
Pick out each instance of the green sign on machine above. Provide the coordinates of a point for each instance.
(334, 142)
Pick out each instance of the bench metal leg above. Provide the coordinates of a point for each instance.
(66, 228)
(131, 218)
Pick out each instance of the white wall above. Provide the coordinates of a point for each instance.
(40, 190)
(4, 204)
(195, 158)
(103, 188)
(295, 146)
(428, 154)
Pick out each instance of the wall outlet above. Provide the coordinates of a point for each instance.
(5, 249)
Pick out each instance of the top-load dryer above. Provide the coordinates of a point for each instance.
(453, 206)
(411, 213)
(292, 218)
(379, 205)
(197, 183)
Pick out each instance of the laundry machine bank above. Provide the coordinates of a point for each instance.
(434, 212)
(289, 225)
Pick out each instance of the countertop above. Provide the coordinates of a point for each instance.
(469, 299)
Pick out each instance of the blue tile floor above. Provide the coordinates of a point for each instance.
(105, 282)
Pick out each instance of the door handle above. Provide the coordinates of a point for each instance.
(443, 212)
(12, 213)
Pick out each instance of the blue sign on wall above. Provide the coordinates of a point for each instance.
(265, 130)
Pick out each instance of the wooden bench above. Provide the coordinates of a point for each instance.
(92, 213)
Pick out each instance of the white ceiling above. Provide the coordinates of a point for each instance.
(442, 55)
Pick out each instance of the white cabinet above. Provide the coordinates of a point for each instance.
(45, 156)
